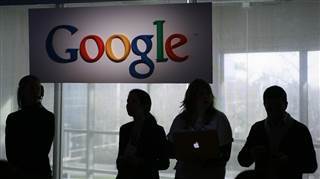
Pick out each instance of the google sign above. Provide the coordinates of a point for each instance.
(107, 48)
(122, 44)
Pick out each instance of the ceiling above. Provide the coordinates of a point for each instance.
(28, 2)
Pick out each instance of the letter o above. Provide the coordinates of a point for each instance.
(126, 44)
(83, 50)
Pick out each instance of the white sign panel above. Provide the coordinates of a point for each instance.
(122, 44)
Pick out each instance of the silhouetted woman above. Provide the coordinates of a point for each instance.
(199, 114)
(142, 146)
(29, 133)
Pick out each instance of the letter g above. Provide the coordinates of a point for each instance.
(50, 50)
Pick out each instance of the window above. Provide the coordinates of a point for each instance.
(247, 75)
(314, 94)
(314, 102)
(92, 115)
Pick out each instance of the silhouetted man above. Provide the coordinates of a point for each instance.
(247, 174)
(29, 133)
(280, 146)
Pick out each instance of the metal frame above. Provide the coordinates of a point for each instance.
(57, 153)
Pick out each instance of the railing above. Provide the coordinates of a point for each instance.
(111, 169)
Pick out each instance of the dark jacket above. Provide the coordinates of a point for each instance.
(29, 135)
(297, 145)
(151, 148)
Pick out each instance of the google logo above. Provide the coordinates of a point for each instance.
(171, 43)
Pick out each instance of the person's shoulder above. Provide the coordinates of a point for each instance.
(48, 114)
(46, 111)
(217, 118)
(12, 117)
(14, 114)
(180, 118)
(126, 125)
(258, 125)
(181, 115)
(159, 128)
(298, 126)
(299, 130)
(220, 115)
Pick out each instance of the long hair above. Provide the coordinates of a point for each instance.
(28, 80)
(188, 104)
(145, 101)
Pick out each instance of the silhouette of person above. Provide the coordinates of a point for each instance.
(247, 174)
(142, 145)
(4, 169)
(280, 146)
(29, 132)
(199, 114)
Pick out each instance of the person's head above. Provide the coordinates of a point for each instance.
(30, 91)
(275, 102)
(198, 97)
(138, 103)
